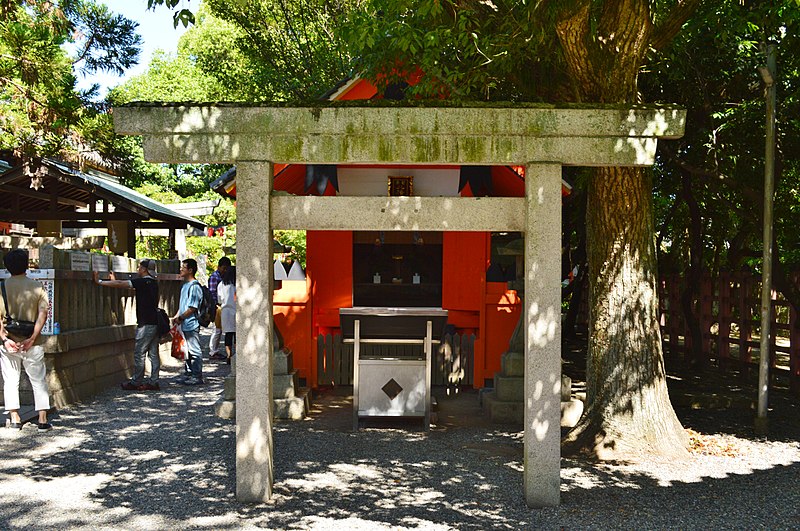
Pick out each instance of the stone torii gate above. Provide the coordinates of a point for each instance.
(541, 137)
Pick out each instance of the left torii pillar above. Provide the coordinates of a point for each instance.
(254, 449)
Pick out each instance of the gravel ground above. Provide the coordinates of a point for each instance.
(164, 461)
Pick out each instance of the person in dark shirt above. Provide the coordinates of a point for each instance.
(146, 288)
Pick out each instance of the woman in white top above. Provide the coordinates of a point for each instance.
(226, 294)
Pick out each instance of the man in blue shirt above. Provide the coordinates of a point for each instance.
(191, 296)
(213, 281)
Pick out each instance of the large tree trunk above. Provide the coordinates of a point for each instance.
(628, 413)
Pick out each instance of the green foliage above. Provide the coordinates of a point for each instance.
(296, 241)
(211, 46)
(212, 248)
(711, 69)
(41, 112)
(292, 47)
(155, 247)
(183, 15)
(156, 192)
(261, 50)
(168, 78)
(464, 50)
(224, 214)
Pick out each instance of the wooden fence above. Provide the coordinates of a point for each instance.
(452, 363)
(730, 324)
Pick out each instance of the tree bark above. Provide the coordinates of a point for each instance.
(628, 413)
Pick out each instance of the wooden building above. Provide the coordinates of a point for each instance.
(56, 196)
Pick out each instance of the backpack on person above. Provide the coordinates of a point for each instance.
(162, 321)
(208, 308)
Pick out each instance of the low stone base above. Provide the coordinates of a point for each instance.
(509, 388)
(225, 409)
(83, 363)
(293, 408)
(571, 412)
(284, 385)
(501, 411)
(513, 412)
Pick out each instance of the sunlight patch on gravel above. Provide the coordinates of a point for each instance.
(37, 445)
(356, 471)
(147, 456)
(722, 456)
(65, 497)
(322, 524)
(321, 480)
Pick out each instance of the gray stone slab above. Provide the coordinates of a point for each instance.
(282, 362)
(294, 408)
(542, 314)
(610, 136)
(229, 388)
(509, 388)
(398, 213)
(566, 388)
(285, 385)
(254, 448)
(502, 412)
(225, 409)
(571, 412)
(488, 120)
(513, 364)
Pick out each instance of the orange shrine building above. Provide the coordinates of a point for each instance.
(472, 275)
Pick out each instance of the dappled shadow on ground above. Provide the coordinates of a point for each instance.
(162, 460)
(711, 400)
(124, 462)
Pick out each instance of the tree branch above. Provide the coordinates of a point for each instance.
(714, 176)
(670, 26)
(23, 90)
(573, 30)
(86, 48)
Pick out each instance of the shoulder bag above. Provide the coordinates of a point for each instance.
(17, 327)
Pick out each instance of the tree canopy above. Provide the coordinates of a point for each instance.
(261, 50)
(41, 111)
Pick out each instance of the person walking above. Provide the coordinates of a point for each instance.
(26, 300)
(214, 352)
(227, 300)
(191, 297)
(146, 343)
